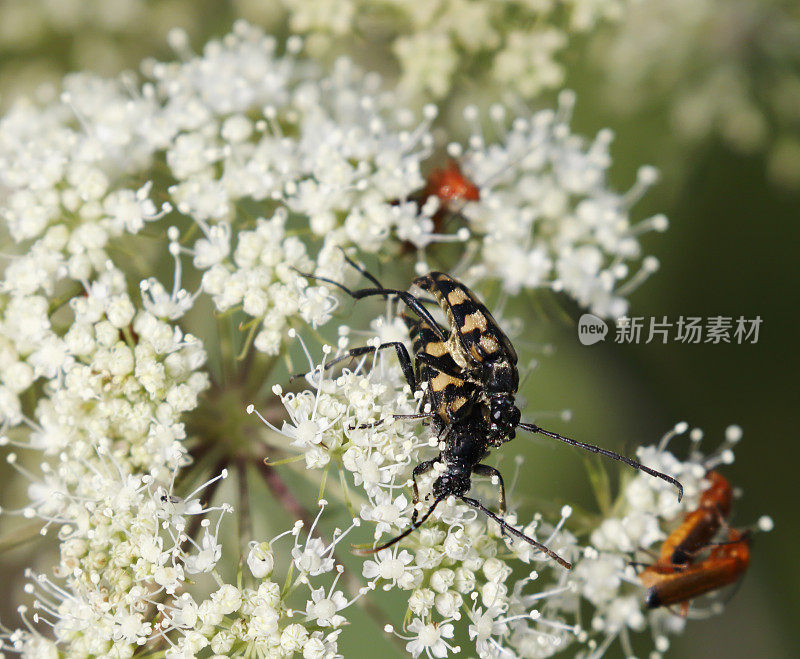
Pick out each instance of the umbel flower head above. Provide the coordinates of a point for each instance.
(240, 170)
(261, 150)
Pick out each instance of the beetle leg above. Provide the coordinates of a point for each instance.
(363, 550)
(411, 301)
(486, 470)
(416, 521)
(366, 273)
(516, 532)
(400, 349)
(375, 424)
(421, 468)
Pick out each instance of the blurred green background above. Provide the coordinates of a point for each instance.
(732, 249)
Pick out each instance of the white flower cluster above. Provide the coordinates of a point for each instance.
(265, 167)
(262, 278)
(322, 149)
(123, 549)
(452, 569)
(642, 517)
(444, 44)
(62, 167)
(546, 215)
(326, 158)
(107, 427)
(261, 618)
(272, 162)
(128, 565)
(324, 423)
(237, 128)
(115, 378)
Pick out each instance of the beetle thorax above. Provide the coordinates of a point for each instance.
(501, 377)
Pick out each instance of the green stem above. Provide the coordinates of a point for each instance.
(254, 325)
(345, 487)
(323, 481)
(245, 519)
(127, 332)
(59, 302)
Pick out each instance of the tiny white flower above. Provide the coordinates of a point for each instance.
(293, 638)
(429, 638)
(323, 609)
(260, 559)
(387, 566)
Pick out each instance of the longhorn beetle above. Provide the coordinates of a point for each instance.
(471, 374)
(473, 363)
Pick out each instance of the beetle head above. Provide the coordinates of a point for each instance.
(503, 417)
(451, 483)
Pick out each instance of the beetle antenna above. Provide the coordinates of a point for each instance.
(507, 527)
(366, 549)
(530, 427)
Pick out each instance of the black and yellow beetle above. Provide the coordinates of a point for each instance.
(472, 362)
(471, 376)
(485, 358)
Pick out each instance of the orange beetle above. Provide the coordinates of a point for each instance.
(449, 184)
(675, 578)
(452, 188)
(699, 526)
(725, 565)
